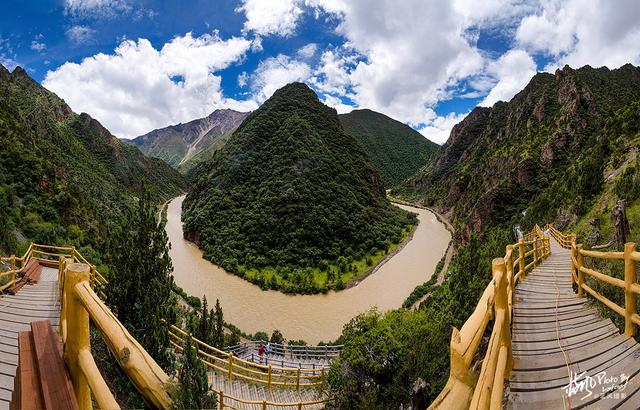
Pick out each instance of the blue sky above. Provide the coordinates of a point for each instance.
(137, 65)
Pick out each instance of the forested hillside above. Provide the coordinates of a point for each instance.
(396, 150)
(184, 145)
(63, 176)
(563, 150)
(291, 201)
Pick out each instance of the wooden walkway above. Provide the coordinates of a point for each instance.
(253, 392)
(31, 303)
(554, 334)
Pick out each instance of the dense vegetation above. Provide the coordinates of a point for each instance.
(63, 177)
(563, 150)
(184, 145)
(396, 150)
(291, 202)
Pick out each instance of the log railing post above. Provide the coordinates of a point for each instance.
(76, 320)
(298, 380)
(522, 262)
(535, 252)
(221, 404)
(580, 260)
(629, 296)
(510, 281)
(230, 365)
(264, 405)
(269, 381)
(13, 262)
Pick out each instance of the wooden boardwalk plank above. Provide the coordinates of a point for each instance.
(555, 333)
(32, 303)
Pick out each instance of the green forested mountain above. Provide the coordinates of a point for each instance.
(563, 150)
(397, 150)
(184, 145)
(292, 201)
(63, 176)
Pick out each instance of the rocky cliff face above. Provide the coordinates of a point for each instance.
(179, 144)
(516, 161)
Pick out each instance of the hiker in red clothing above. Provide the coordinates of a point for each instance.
(261, 351)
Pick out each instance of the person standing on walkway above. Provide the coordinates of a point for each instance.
(261, 351)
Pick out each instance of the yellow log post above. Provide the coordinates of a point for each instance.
(535, 252)
(510, 281)
(522, 263)
(77, 331)
(580, 260)
(299, 405)
(13, 262)
(269, 382)
(629, 296)
(221, 405)
(298, 380)
(264, 405)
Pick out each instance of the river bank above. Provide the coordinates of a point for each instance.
(310, 317)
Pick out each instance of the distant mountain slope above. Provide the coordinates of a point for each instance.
(291, 198)
(62, 174)
(195, 140)
(540, 155)
(397, 150)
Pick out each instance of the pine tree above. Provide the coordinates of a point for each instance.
(204, 329)
(192, 391)
(140, 280)
(219, 333)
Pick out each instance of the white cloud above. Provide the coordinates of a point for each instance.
(38, 46)
(276, 72)
(578, 32)
(132, 92)
(438, 128)
(266, 17)
(308, 51)
(79, 35)
(96, 8)
(513, 70)
(7, 55)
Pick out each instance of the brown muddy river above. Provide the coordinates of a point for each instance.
(309, 317)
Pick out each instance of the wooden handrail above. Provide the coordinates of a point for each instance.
(629, 284)
(465, 389)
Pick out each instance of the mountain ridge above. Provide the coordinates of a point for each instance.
(397, 150)
(180, 144)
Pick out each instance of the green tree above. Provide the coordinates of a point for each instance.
(139, 290)
(192, 390)
(219, 326)
(204, 327)
(277, 337)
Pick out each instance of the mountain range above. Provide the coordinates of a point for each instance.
(63, 176)
(395, 149)
(184, 145)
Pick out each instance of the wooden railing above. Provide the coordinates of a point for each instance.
(227, 402)
(49, 255)
(79, 304)
(236, 368)
(466, 389)
(629, 284)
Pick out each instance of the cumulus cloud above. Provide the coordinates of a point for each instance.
(271, 16)
(578, 32)
(438, 128)
(513, 70)
(139, 88)
(276, 72)
(96, 8)
(79, 35)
